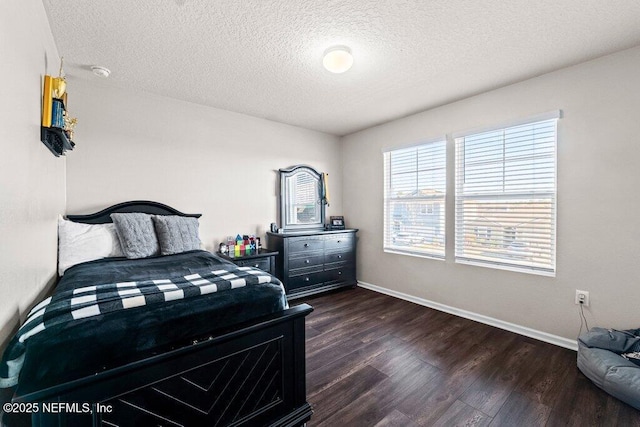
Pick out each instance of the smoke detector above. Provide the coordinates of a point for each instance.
(100, 71)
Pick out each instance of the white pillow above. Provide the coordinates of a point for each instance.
(79, 242)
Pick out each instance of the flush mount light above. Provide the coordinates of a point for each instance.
(100, 71)
(337, 59)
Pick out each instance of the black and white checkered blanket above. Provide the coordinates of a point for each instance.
(72, 305)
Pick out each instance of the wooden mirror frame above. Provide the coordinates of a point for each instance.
(288, 173)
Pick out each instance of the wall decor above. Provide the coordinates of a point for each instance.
(56, 131)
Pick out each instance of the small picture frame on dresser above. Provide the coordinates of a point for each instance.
(336, 223)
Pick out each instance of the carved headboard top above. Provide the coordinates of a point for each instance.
(143, 206)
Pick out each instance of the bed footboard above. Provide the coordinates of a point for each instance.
(251, 376)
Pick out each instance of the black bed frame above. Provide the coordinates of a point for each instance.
(253, 375)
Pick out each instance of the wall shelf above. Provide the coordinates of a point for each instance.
(56, 140)
(57, 126)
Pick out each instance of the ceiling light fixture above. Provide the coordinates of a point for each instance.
(100, 71)
(337, 59)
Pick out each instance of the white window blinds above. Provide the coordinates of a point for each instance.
(505, 202)
(414, 199)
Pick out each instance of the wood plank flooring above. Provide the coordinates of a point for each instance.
(374, 360)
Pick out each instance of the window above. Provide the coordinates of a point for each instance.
(506, 197)
(426, 209)
(414, 197)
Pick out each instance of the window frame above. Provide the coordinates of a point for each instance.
(389, 225)
(492, 196)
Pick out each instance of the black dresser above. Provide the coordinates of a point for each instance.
(315, 261)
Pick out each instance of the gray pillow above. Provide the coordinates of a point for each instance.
(176, 234)
(136, 234)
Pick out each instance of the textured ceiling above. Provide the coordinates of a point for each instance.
(264, 57)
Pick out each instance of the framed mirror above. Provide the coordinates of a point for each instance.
(302, 204)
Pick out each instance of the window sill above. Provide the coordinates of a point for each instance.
(413, 254)
(507, 268)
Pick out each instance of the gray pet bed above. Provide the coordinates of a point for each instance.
(600, 360)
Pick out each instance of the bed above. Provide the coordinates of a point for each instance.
(226, 351)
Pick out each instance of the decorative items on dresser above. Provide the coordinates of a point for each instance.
(264, 259)
(314, 261)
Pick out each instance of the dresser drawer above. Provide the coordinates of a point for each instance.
(305, 280)
(338, 257)
(344, 273)
(265, 260)
(338, 242)
(261, 263)
(305, 244)
(307, 261)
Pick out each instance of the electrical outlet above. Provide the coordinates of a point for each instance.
(582, 297)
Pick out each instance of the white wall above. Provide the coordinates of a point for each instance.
(32, 180)
(194, 158)
(598, 242)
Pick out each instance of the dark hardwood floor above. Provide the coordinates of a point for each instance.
(374, 360)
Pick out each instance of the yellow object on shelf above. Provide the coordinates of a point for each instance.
(47, 101)
(325, 186)
(58, 87)
(59, 84)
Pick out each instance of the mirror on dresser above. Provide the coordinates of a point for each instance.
(302, 201)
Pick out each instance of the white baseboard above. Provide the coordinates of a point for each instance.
(511, 327)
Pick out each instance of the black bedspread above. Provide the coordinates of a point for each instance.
(93, 344)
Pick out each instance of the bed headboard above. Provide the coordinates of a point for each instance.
(143, 206)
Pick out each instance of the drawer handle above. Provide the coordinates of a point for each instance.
(306, 261)
(339, 273)
(339, 256)
(338, 241)
(306, 279)
(306, 245)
